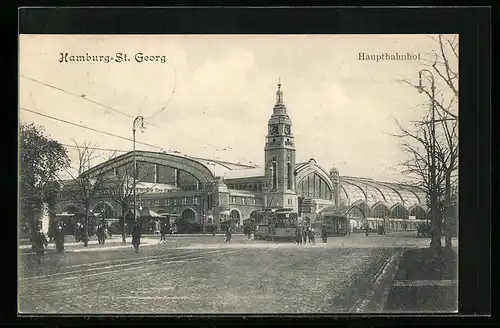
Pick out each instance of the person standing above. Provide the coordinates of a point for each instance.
(324, 233)
(298, 235)
(104, 233)
(59, 239)
(305, 232)
(40, 244)
(164, 231)
(311, 236)
(136, 236)
(228, 234)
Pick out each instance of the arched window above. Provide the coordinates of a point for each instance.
(289, 176)
(274, 176)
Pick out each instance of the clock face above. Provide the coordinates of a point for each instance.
(287, 129)
(274, 129)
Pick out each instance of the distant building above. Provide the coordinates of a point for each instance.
(217, 192)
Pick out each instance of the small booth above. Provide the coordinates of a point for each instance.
(150, 221)
(225, 220)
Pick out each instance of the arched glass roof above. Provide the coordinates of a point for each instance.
(373, 194)
(373, 191)
(354, 193)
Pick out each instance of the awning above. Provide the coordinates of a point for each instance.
(65, 214)
(149, 213)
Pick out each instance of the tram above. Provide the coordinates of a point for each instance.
(275, 224)
(337, 224)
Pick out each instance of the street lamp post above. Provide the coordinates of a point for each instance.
(432, 184)
(138, 120)
(103, 213)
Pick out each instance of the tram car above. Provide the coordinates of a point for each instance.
(337, 223)
(275, 224)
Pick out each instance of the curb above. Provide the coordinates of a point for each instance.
(377, 297)
(387, 283)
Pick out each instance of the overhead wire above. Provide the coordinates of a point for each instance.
(103, 132)
(84, 97)
(89, 128)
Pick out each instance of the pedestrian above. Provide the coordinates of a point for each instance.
(136, 236)
(298, 235)
(324, 233)
(104, 233)
(52, 231)
(40, 242)
(109, 233)
(305, 232)
(76, 232)
(366, 229)
(311, 236)
(59, 239)
(163, 232)
(228, 234)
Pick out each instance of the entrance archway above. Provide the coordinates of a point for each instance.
(235, 217)
(188, 214)
(358, 212)
(103, 208)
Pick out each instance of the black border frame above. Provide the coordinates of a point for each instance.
(473, 26)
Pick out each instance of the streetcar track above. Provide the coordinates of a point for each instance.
(168, 259)
(56, 289)
(130, 262)
(125, 260)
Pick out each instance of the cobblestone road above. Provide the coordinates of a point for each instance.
(205, 275)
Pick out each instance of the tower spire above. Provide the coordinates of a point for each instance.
(279, 93)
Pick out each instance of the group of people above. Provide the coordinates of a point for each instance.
(304, 234)
(40, 242)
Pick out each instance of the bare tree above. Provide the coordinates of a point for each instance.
(418, 142)
(120, 188)
(83, 187)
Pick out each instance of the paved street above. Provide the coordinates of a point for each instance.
(206, 275)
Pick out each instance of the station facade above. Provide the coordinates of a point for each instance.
(212, 192)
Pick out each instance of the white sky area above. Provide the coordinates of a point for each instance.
(218, 92)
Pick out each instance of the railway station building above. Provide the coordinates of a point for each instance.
(213, 192)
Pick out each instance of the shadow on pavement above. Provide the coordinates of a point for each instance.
(426, 281)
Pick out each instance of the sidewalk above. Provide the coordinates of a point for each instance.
(425, 281)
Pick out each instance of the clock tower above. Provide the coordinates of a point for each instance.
(279, 152)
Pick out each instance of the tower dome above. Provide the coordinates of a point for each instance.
(334, 170)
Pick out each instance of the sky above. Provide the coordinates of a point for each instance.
(213, 95)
